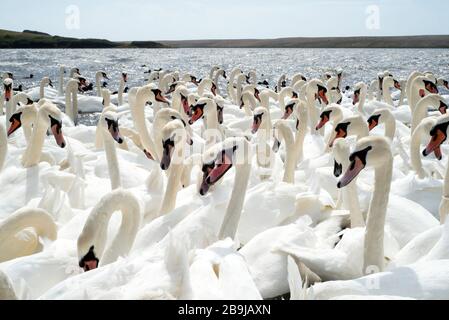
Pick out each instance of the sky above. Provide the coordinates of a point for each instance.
(226, 19)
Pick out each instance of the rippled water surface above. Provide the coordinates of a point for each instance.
(359, 64)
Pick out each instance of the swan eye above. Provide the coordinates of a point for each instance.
(321, 88)
(15, 116)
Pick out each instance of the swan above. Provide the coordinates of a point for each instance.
(99, 75)
(62, 72)
(212, 71)
(216, 78)
(283, 132)
(46, 81)
(9, 98)
(421, 109)
(71, 99)
(92, 240)
(385, 116)
(20, 232)
(121, 88)
(207, 85)
(353, 125)
(48, 116)
(420, 86)
(387, 83)
(144, 94)
(315, 89)
(161, 118)
(173, 137)
(349, 196)
(110, 133)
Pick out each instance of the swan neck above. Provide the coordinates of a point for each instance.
(235, 205)
(374, 233)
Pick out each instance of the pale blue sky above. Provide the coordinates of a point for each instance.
(205, 19)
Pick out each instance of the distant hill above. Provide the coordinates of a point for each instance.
(40, 40)
(36, 39)
(339, 42)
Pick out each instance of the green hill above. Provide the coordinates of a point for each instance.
(39, 40)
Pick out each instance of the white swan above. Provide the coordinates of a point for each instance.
(48, 116)
(71, 99)
(98, 77)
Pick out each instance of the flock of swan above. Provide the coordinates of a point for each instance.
(225, 188)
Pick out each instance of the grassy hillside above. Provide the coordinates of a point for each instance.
(35, 39)
(343, 42)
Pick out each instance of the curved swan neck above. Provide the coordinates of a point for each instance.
(374, 234)
(95, 229)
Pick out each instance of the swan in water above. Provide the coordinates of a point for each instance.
(20, 233)
(8, 98)
(100, 75)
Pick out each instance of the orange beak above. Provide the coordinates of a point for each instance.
(15, 124)
(340, 134)
(435, 142)
(322, 122)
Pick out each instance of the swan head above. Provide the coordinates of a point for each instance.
(353, 125)
(258, 118)
(378, 116)
(289, 108)
(371, 151)
(102, 74)
(124, 77)
(425, 85)
(89, 261)
(109, 121)
(197, 110)
(319, 90)
(357, 91)
(152, 94)
(7, 86)
(340, 152)
(438, 135)
(7, 75)
(173, 134)
(220, 158)
(52, 116)
(329, 113)
(184, 96)
(46, 81)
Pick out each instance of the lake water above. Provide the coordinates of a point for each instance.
(359, 64)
